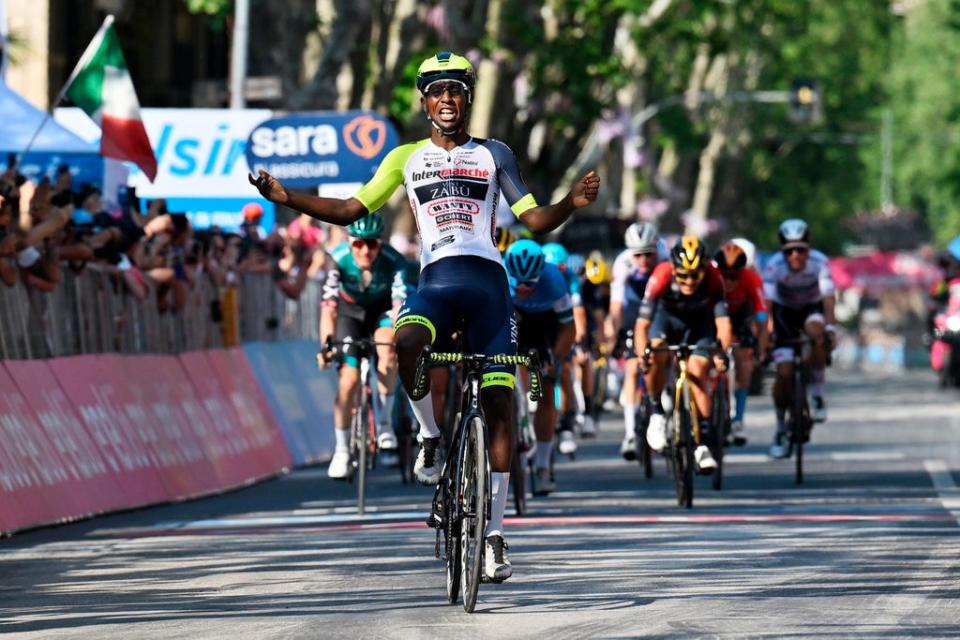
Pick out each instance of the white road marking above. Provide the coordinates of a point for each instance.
(946, 488)
(866, 456)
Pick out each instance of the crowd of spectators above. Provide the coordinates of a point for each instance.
(52, 226)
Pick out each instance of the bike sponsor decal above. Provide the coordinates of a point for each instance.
(455, 172)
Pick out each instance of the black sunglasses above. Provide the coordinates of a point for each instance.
(791, 250)
(437, 89)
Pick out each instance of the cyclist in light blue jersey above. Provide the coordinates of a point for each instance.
(544, 312)
(557, 255)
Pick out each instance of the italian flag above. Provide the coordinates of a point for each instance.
(101, 86)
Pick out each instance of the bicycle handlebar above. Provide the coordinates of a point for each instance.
(477, 361)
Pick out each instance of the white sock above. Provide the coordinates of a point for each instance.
(500, 488)
(386, 412)
(423, 411)
(343, 439)
(578, 396)
(629, 420)
(818, 378)
(544, 449)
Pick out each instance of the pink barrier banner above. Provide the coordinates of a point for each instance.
(180, 458)
(96, 488)
(251, 405)
(30, 468)
(100, 397)
(174, 385)
(227, 423)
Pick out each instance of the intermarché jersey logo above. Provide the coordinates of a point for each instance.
(365, 136)
(451, 173)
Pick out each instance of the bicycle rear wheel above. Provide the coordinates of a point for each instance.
(474, 483)
(451, 532)
(721, 428)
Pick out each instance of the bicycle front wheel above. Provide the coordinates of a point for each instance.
(798, 419)
(364, 411)
(683, 453)
(518, 482)
(721, 428)
(474, 483)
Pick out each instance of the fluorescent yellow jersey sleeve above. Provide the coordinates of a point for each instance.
(375, 193)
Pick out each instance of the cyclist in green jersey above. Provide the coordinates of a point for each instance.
(454, 182)
(365, 287)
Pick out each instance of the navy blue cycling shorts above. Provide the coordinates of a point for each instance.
(470, 294)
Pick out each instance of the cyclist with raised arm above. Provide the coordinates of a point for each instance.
(453, 183)
(557, 255)
(684, 300)
(798, 283)
(362, 293)
(748, 313)
(544, 310)
(631, 273)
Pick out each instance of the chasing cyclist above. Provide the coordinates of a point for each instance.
(631, 273)
(556, 254)
(545, 322)
(361, 296)
(748, 313)
(799, 286)
(453, 183)
(684, 300)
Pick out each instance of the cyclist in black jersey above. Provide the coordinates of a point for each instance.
(453, 183)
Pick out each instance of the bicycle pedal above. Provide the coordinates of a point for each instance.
(434, 521)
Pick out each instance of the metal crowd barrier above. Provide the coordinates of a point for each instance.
(92, 312)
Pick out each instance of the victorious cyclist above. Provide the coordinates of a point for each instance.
(453, 183)
(799, 286)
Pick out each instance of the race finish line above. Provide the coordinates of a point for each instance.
(408, 520)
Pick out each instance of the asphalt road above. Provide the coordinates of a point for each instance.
(868, 547)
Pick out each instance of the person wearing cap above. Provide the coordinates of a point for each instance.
(250, 227)
(454, 183)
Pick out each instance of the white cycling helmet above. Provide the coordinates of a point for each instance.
(749, 250)
(794, 232)
(641, 237)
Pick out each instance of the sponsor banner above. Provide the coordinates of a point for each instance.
(228, 425)
(305, 150)
(251, 405)
(201, 168)
(32, 479)
(180, 458)
(99, 396)
(97, 489)
(320, 388)
(176, 391)
(305, 417)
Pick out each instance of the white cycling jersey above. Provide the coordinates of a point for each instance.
(796, 289)
(453, 194)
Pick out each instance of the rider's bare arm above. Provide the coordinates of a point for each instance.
(548, 217)
(333, 210)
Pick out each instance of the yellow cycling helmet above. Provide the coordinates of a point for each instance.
(596, 269)
(504, 238)
(445, 66)
(688, 254)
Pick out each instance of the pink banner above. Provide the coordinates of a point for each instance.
(30, 471)
(101, 398)
(228, 425)
(251, 404)
(96, 487)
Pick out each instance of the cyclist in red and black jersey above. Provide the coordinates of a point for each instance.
(748, 314)
(684, 300)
